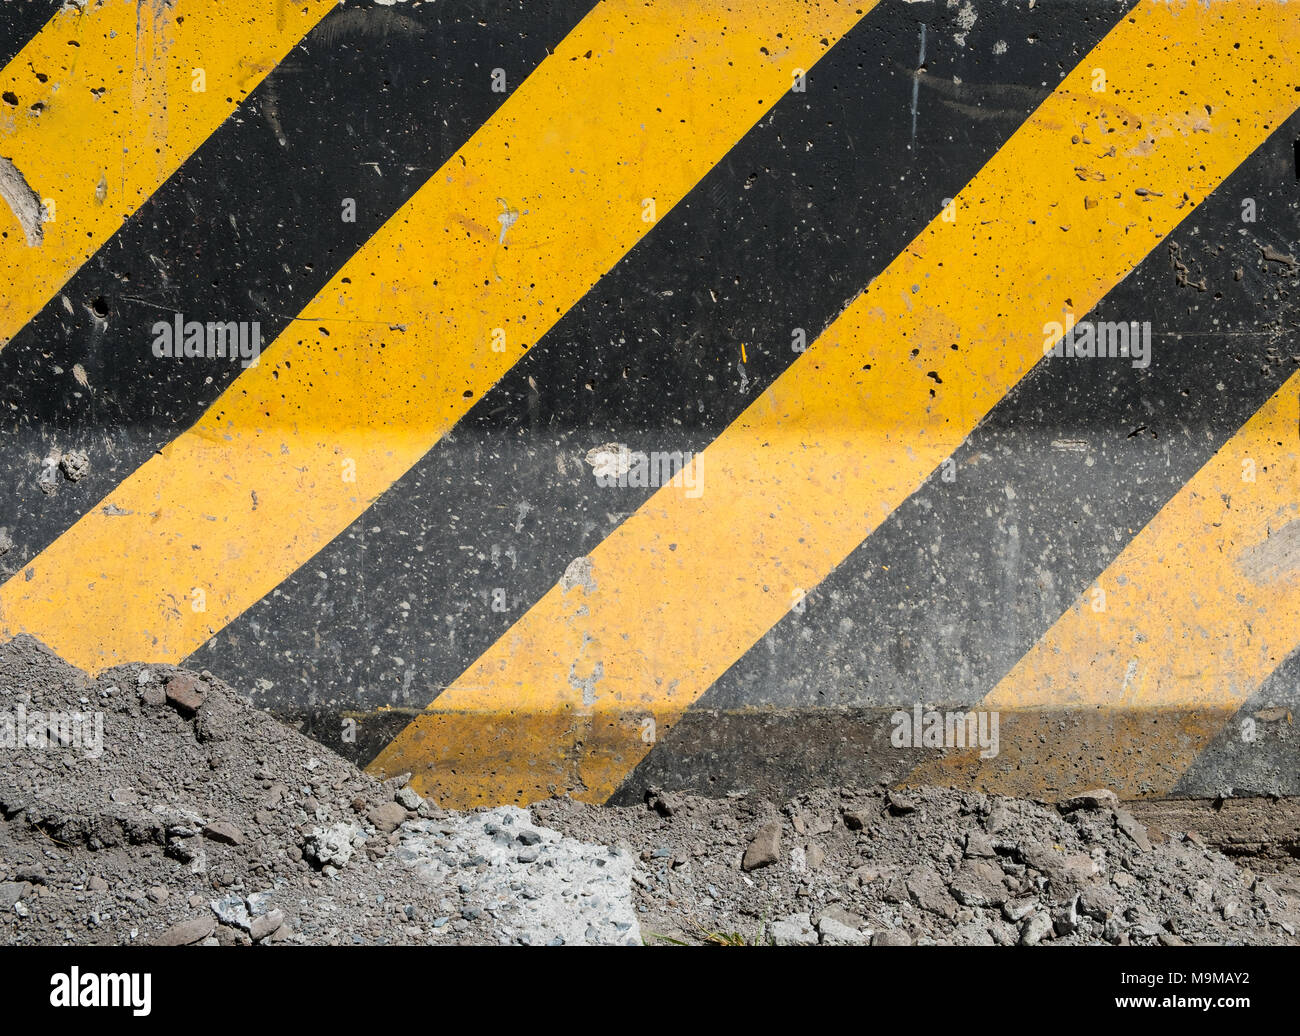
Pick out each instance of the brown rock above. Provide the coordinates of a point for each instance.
(187, 933)
(184, 694)
(387, 816)
(765, 848)
(225, 832)
(265, 925)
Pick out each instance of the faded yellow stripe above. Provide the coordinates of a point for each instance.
(632, 109)
(685, 586)
(107, 111)
(1178, 632)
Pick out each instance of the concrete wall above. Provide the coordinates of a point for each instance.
(513, 265)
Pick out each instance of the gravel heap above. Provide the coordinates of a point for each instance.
(180, 814)
(929, 866)
(199, 819)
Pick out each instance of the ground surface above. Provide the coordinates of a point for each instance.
(199, 819)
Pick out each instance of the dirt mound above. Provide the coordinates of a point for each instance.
(165, 807)
(152, 804)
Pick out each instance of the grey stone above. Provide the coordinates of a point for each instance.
(11, 892)
(926, 889)
(900, 803)
(979, 845)
(836, 933)
(408, 798)
(855, 820)
(1018, 909)
(795, 930)
(1131, 826)
(231, 910)
(1100, 902)
(1061, 869)
(1035, 929)
(153, 695)
(891, 938)
(258, 903)
(333, 846)
(665, 803)
(978, 883)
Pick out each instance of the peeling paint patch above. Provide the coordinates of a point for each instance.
(1277, 558)
(24, 202)
(610, 460)
(578, 573)
(586, 684)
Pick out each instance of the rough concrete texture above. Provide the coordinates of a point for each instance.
(198, 819)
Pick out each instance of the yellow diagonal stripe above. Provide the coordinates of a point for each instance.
(609, 132)
(1184, 625)
(1204, 602)
(564, 701)
(108, 107)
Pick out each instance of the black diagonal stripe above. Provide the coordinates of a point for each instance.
(952, 590)
(368, 107)
(20, 20)
(1258, 750)
(792, 223)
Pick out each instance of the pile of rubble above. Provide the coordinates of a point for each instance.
(154, 805)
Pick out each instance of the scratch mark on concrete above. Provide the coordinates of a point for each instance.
(24, 202)
(271, 109)
(916, 81)
(508, 218)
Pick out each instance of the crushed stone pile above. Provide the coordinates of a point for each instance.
(154, 805)
(193, 817)
(929, 866)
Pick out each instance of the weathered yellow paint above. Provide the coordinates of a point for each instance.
(637, 103)
(1052, 753)
(685, 586)
(1202, 604)
(1199, 608)
(106, 112)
